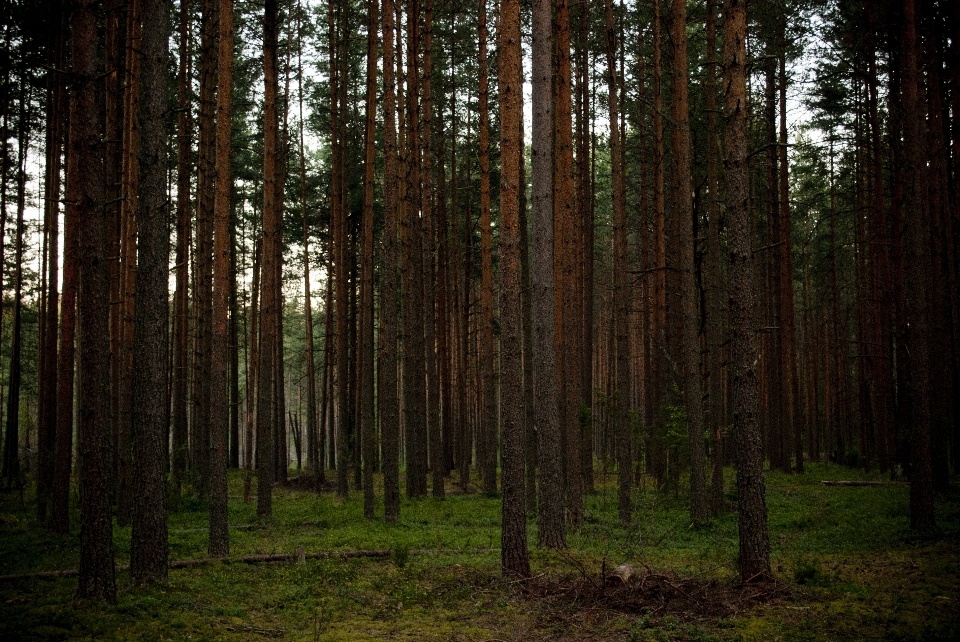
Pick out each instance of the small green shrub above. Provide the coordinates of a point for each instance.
(808, 572)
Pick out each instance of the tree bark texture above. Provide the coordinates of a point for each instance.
(428, 199)
(206, 175)
(916, 327)
(270, 286)
(148, 551)
(621, 289)
(567, 299)
(752, 509)
(488, 419)
(550, 531)
(97, 579)
(683, 227)
(712, 268)
(219, 542)
(390, 417)
(181, 297)
(366, 283)
(513, 558)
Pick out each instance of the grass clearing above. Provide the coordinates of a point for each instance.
(846, 563)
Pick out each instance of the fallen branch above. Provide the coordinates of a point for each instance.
(250, 559)
(41, 575)
(863, 483)
(272, 633)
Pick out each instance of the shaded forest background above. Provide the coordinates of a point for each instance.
(308, 261)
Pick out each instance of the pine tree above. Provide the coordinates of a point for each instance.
(181, 297)
(712, 269)
(366, 284)
(219, 540)
(488, 417)
(97, 574)
(550, 482)
(148, 552)
(270, 284)
(567, 300)
(751, 492)
(514, 559)
(203, 261)
(683, 201)
(390, 417)
(621, 290)
(916, 232)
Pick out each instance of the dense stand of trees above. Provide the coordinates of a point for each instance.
(373, 272)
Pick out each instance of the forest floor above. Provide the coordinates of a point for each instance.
(847, 567)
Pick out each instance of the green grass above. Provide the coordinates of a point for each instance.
(848, 565)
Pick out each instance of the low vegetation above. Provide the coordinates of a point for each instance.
(847, 566)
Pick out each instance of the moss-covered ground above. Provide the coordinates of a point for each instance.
(846, 563)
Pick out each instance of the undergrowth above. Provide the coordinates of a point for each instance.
(845, 562)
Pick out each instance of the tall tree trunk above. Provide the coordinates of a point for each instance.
(428, 198)
(366, 282)
(340, 235)
(713, 261)
(659, 371)
(181, 325)
(218, 544)
(314, 436)
(148, 550)
(881, 373)
(940, 278)
(233, 333)
(621, 289)
(771, 393)
(327, 407)
(270, 287)
(47, 375)
(115, 148)
(463, 250)
(953, 230)
(280, 432)
(567, 301)
(253, 378)
(916, 235)
(97, 574)
(390, 417)
(792, 419)
(751, 492)
(123, 347)
(12, 473)
(206, 174)
(4, 171)
(584, 223)
(66, 355)
(529, 420)
(414, 384)
(683, 201)
(444, 309)
(550, 530)
(513, 558)
(488, 421)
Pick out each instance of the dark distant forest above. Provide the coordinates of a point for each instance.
(554, 280)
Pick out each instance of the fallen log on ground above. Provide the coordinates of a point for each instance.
(863, 483)
(299, 555)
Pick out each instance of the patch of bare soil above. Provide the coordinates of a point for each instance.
(577, 600)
